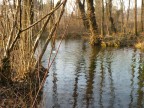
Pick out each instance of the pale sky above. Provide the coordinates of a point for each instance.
(116, 2)
(126, 2)
(71, 4)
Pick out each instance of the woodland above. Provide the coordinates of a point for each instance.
(103, 23)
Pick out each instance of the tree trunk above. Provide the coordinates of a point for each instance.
(27, 19)
(83, 14)
(113, 28)
(26, 42)
(135, 12)
(122, 17)
(142, 16)
(52, 22)
(53, 16)
(5, 72)
(102, 19)
(128, 10)
(94, 38)
(107, 19)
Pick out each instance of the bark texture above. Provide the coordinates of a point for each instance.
(94, 38)
(83, 14)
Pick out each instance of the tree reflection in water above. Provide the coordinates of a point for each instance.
(91, 77)
(140, 91)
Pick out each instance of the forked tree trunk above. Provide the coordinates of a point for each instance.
(83, 13)
(25, 16)
(94, 38)
(24, 24)
(5, 71)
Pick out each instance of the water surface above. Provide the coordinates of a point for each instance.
(88, 77)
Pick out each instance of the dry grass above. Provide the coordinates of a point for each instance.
(139, 45)
(9, 98)
(140, 41)
(21, 93)
(120, 40)
(16, 97)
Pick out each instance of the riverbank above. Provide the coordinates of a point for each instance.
(114, 40)
(124, 40)
(118, 40)
(21, 94)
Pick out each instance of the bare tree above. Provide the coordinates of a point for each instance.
(113, 28)
(53, 16)
(102, 18)
(142, 16)
(19, 32)
(122, 16)
(135, 13)
(52, 21)
(94, 38)
(107, 16)
(128, 10)
(83, 13)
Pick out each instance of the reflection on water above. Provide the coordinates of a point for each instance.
(89, 77)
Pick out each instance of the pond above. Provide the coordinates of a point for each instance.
(89, 77)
